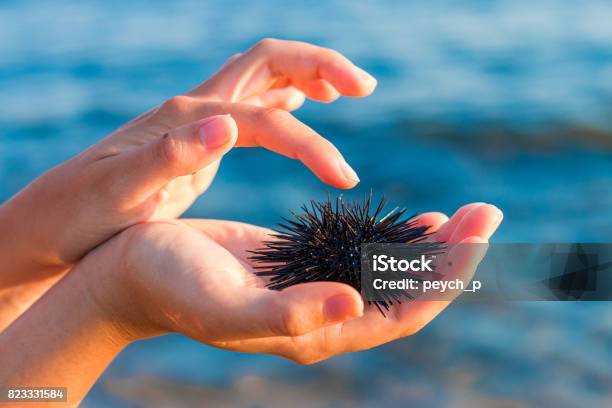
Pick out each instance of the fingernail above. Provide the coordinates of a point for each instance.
(340, 308)
(214, 133)
(348, 171)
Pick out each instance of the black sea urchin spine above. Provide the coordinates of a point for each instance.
(323, 243)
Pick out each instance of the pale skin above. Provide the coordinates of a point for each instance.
(193, 277)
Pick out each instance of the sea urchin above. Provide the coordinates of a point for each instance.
(323, 243)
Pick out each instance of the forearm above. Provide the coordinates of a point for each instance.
(63, 340)
(27, 272)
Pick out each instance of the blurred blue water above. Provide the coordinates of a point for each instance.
(500, 101)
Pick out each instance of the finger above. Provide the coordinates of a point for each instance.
(279, 131)
(433, 220)
(481, 221)
(236, 237)
(317, 89)
(292, 59)
(459, 263)
(287, 98)
(274, 129)
(231, 59)
(445, 231)
(182, 151)
(202, 179)
(292, 312)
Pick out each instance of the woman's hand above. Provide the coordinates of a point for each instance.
(196, 278)
(155, 166)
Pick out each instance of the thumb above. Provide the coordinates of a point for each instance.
(294, 311)
(182, 151)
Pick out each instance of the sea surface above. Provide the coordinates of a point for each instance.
(503, 101)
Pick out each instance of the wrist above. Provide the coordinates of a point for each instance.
(103, 305)
(107, 279)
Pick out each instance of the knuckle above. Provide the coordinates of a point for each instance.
(234, 57)
(266, 44)
(335, 57)
(331, 53)
(273, 115)
(292, 322)
(168, 150)
(324, 144)
(176, 105)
